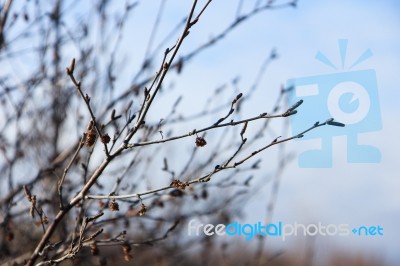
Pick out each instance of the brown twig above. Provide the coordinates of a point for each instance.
(3, 20)
(214, 126)
(218, 168)
(86, 99)
(92, 180)
(66, 169)
(148, 99)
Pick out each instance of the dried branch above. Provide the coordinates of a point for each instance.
(109, 157)
(86, 99)
(218, 168)
(61, 181)
(3, 19)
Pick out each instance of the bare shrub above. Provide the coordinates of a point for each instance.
(95, 164)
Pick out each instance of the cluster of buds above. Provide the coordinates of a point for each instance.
(113, 205)
(143, 210)
(178, 184)
(200, 142)
(105, 138)
(90, 134)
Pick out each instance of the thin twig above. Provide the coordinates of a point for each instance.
(86, 99)
(214, 126)
(207, 177)
(148, 99)
(97, 173)
(61, 182)
(3, 20)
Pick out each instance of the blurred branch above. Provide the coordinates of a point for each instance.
(3, 19)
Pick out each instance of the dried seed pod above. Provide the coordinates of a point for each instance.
(113, 205)
(143, 210)
(200, 142)
(105, 138)
(178, 184)
(90, 134)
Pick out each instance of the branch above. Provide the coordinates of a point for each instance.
(3, 20)
(148, 99)
(86, 99)
(214, 126)
(93, 179)
(219, 168)
(291, 111)
(61, 182)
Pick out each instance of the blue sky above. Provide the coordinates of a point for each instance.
(346, 193)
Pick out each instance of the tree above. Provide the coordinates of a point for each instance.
(88, 155)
